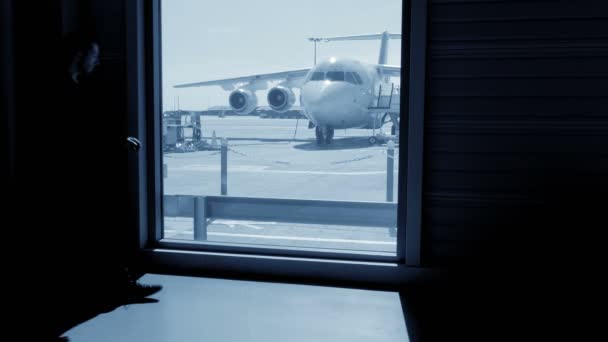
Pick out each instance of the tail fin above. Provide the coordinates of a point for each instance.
(384, 36)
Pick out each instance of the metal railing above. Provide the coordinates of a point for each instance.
(384, 98)
(206, 208)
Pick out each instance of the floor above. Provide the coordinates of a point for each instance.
(211, 309)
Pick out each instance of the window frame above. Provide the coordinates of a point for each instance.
(143, 27)
(357, 77)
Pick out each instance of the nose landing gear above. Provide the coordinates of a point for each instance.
(324, 135)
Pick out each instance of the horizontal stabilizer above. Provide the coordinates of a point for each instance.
(384, 37)
(372, 36)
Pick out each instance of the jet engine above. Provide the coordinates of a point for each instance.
(281, 99)
(243, 101)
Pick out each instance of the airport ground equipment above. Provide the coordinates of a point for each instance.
(182, 132)
(388, 105)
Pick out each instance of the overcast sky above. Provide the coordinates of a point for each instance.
(244, 37)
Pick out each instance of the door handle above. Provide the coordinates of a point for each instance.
(133, 144)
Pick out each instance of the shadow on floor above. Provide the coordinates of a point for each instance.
(63, 317)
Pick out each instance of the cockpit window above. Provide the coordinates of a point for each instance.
(349, 77)
(335, 76)
(353, 77)
(317, 76)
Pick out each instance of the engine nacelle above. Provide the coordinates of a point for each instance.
(243, 101)
(281, 99)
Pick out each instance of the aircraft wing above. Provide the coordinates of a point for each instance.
(390, 70)
(235, 82)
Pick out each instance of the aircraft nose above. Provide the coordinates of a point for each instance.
(311, 94)
(315, 94)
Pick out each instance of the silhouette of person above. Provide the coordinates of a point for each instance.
(104, 144)
(91, 172)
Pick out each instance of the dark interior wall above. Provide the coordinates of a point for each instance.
(35, 38)
(515, 128)
(38, 120)
(6, 89)
(515, 166)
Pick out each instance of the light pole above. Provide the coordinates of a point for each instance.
(315, 40)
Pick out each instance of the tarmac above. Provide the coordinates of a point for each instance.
(270, 158)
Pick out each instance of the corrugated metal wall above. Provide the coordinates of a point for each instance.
(517, 113)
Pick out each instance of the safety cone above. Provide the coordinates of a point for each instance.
(213, 140)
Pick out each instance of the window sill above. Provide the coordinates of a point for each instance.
(280, 268)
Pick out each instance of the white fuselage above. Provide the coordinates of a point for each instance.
(338, 93)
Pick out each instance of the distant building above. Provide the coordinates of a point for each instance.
(262, 112)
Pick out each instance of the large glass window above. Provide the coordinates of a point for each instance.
(314, 172)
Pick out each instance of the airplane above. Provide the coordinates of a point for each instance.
(336, 93)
